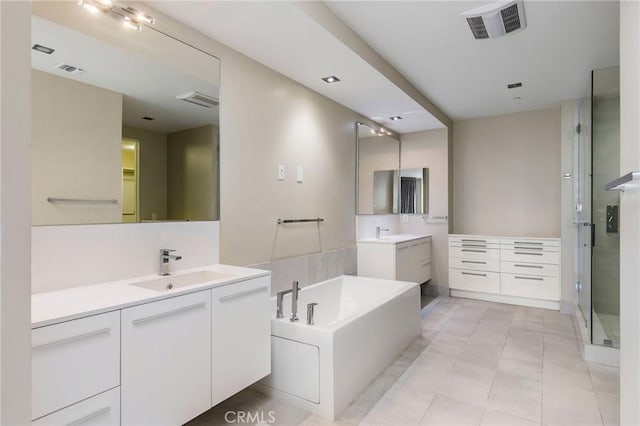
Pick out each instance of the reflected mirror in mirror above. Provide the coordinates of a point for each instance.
(125, 123)
(378, 165)
(414, 191)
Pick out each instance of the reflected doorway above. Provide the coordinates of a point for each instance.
(130, 200)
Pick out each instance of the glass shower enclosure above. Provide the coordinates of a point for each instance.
(597, 240)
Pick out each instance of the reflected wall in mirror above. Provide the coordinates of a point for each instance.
(125, 123)
(414, 191)
(378, 165)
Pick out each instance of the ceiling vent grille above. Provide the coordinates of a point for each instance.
(70, 68)
(496, 19)
(199, 99)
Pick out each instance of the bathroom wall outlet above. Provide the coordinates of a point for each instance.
(299, 174)
(405, 218)
(281, 172)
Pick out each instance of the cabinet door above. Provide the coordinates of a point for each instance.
(100, 410)
(405, 263)
(166, 360)
(241, 336)
(74, 360)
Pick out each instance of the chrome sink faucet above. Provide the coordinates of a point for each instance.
(379, 229)
(165, 257)
(295, 288)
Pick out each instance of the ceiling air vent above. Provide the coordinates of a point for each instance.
(70, 68)
(495, 19)
(199, 99)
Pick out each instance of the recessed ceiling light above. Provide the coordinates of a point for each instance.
(514, 85)
(43, 49)
(396, 118)
(331, 79)
(146, 117)
(69, 68)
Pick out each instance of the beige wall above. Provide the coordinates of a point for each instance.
(77, 131)
(629, 213)
(153, 171)
(506, 175)
(15, 214)
(192, 179)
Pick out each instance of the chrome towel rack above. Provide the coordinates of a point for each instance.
(54, 200)
(317, 219)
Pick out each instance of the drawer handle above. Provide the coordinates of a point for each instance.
(474, 274)
(242, 294)
(416, 245)
(402, 248)
(474, 245)
(529, 278)
(529, 266)
(537, 243)
(530, 254)
(475, 250)
(476, 262)
(168, 313)
(105, 330)
(464, 240)
(527, 248)
(88, 417)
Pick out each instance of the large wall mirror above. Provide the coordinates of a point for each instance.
(378, 171)
(125, 122)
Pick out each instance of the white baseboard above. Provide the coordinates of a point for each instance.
(534, 303)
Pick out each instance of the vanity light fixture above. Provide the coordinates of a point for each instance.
(131, 24)
(95, 6)
(331, 79)
(138, 16)
(396, 118)
(381, 132)
(43, 49)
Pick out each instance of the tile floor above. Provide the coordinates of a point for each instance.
(477, 363)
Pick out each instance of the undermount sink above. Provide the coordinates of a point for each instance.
(172, 282)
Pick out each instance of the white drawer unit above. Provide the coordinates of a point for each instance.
(100, 410)
(73, 361)
(241, 336)
(396, 257)
(512, 269)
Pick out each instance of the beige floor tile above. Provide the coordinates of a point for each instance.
(573, 374)
(357, 411)
(527, 368)
(460, 326)
(496, 314)
(400, 406)
(605, 378)
(313, 420)
(566, 406)
(516, 395)
(534, 325)
(446, 411)
(468, 383)
(482, 354)
(609, 405)
(447, 344)
(427, 372)
(498, 418)
(562, 327)
(523, 351)
(489, 333)
(283, 413)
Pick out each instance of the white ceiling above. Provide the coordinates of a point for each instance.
(430, 44)
(149, 88)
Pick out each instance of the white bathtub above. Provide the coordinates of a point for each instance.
(361, 326)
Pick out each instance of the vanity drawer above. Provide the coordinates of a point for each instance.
(491, 265)
(100, 410)
(474, 253)
(74, 360)
(552, 244)
(534, 287)
(530, 256)
(537, 269)
(483, 282)
(472, 239)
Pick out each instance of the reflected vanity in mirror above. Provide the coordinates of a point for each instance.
(414, 191)
(378, 165)
(124, 124)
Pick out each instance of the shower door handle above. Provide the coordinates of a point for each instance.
(593, 235)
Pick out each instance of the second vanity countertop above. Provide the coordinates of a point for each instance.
(77, 302)
(394, 238)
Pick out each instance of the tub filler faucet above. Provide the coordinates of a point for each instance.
(380, 229)
(165, 257)
(295, 288)
(311, 313)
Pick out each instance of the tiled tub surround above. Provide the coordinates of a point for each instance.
(477, 363)
(310, 268)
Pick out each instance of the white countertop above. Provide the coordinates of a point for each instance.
(77, 302)
(394, 238)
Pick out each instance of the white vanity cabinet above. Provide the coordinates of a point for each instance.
(396, 257)
(523, 271)
(166, 360)
(241, 336)
(100, 410)
(73, 361)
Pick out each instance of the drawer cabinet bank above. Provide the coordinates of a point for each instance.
(157, 360)
(521, 271)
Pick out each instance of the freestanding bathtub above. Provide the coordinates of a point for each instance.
(361, 326)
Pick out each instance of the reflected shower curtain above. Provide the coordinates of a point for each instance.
(407, 195)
